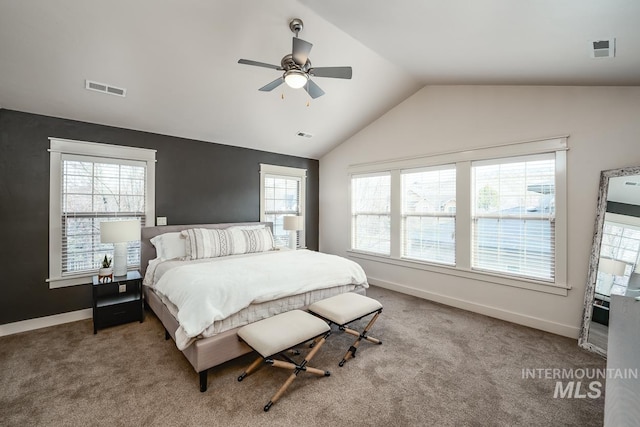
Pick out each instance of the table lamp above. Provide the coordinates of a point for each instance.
(293, 223)
(119, 233)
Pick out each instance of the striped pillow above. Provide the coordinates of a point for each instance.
(258, 240)
(207, 243)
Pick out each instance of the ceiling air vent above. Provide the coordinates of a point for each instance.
(603, 48)
(304, 134)
(105, 88)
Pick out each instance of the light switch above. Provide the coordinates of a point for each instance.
(161, 220)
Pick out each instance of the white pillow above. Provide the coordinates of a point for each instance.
(170, 246)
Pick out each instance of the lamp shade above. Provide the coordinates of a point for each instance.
(293, 223)
(611, 266)
(119, 231)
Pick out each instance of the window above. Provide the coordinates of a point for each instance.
(429, 214)
(620, 242)
(89, 184)
(370, 213)
(282, 191)
(514, 216)
(495, 214)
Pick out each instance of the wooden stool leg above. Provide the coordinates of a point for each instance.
(296, 370)
(352, 350)
(251, 368)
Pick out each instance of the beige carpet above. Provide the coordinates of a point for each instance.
(438, 366)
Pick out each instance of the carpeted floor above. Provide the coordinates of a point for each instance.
(438, 366)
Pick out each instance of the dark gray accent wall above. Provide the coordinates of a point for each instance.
(196, 182)
(623, 209)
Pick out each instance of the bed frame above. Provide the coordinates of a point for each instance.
(204, 353)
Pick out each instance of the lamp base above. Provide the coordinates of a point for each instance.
(120, 259)
(292, 240)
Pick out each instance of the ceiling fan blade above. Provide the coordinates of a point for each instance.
(271, 86)
(301, 51)
(313, 89)
(259, 64)
(335, 72)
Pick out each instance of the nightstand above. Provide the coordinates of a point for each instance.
(117, 301)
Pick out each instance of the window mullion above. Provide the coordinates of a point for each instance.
(463, 215)
(396, 214)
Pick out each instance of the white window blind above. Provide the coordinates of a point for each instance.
(95, 190)
(621, 242)
(281, 197)
(371, 213)
(513, 213)
(429, 214)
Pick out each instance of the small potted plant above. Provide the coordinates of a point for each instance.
(106, 271)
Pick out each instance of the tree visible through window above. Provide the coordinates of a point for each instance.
(95, 190)
(283, 192)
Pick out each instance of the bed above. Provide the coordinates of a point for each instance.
(166, 288)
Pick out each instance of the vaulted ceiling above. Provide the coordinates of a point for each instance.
(177, 60)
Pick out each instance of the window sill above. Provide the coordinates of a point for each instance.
(533, 285)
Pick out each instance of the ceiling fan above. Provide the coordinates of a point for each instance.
(297, 67)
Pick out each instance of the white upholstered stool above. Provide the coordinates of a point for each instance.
(346, 308)
(272, 336)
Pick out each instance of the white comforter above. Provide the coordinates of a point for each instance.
(209, 291)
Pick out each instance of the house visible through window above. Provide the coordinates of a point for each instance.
(514, 216)
(91, 183)
(429, 214)
(282, 191)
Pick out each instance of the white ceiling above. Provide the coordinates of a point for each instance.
(178, 59)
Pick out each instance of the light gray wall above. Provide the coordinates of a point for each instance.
(604, 133)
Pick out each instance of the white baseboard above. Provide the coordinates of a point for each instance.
(43, 322)
(509, 316)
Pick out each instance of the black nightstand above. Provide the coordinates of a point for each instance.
(118, 301)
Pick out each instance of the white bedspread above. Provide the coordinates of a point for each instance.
(205, 292)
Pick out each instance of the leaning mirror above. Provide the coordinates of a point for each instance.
(614, 265)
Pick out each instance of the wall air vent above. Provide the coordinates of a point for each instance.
(605, 48)
(304, 134)
(105, 88)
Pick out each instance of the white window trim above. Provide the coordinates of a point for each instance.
(58, 147)
(301, 174)
(462, 160)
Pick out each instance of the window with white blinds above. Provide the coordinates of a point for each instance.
(90, 183)
(96, 190)
(282, 193)
(496, 214)
(513, 213)
(429, 214)
(281, 198)
(371, 213)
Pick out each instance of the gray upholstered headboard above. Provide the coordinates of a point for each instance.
(148, 252)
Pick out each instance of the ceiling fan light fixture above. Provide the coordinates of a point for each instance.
(295, 78)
